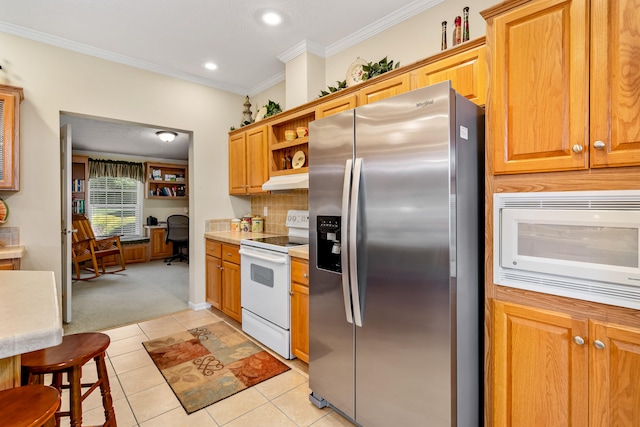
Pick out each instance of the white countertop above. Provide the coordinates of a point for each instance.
(9, 252)
(29, 314)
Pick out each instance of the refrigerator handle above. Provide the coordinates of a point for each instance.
(344, 255)
(353, 219)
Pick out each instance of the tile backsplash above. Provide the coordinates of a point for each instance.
(277, 207)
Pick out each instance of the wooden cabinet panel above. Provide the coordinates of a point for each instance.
(615, 82)
(257, 152)
(300, 321)
(466, 70)
(231, 304)
(248, 152)
(10, 99)
(300, 271)
(158, 247)
(614, 386)
(336, 106)
(167, 180)
(231, 253)
(540, 373)
(385, 89)
(213, 268)
(237, 164)
(538, 109)
(135, 253)
(10, 264)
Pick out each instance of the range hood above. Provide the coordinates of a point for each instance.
(287, 182)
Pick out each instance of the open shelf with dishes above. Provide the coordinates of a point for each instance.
(289, 143)
(165, 180)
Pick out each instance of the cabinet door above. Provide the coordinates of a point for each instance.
(300, 321)
(231, 290)
(257, 152)
(385, 89)
(540, 373)
(10, 98)
(538, 109)
(160, 249)
(614, 381)
(615, 83)
(214, 281)
(336, 106)
(237, 164)
(466, 70)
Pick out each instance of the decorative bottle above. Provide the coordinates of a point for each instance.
(444, 35)
(465, 29)
(457, 32)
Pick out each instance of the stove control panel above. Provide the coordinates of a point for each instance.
(298, 219)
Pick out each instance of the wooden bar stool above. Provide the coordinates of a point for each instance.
(29, 406)
(69, 356)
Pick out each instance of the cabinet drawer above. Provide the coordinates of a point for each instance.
(230, 253)
(300, 271)
(214, 249)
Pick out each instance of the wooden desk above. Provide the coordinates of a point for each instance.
(29, 319)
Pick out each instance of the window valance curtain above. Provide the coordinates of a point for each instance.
(116, 169)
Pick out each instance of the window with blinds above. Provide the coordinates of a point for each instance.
(115, 207)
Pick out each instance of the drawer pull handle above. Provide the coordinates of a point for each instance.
(598, 344)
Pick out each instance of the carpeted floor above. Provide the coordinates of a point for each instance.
(142, 291)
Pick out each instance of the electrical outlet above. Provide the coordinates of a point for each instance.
(265, 211)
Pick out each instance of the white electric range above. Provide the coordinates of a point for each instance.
(266, 281)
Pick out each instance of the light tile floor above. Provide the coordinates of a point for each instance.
(142, 398)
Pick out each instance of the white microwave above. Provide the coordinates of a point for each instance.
(579, 244)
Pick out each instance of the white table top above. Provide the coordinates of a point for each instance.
(29, 313)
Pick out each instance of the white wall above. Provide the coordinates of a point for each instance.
(56, 80)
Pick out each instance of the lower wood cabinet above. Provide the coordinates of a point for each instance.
(157, 246)
(550, 368)
(223, 278)
(10, 264)
(300, 308)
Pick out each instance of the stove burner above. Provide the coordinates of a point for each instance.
(286, 241)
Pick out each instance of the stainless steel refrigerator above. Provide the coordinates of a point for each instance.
(396, 219)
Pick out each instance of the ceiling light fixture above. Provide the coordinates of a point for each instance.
(166, 136)
(210, 66)
(271, 18)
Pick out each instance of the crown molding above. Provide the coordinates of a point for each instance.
(267, 84)
(63, 43)
(300, 48)
(380, 25)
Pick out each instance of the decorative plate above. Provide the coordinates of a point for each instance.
(298, 160)
(354, 72)
(4, 211)
(260, 114)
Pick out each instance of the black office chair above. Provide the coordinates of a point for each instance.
(178, 233)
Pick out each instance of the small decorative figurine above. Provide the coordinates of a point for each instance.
(246, 114)
(465, 29)
(444, 35)
(457, 32)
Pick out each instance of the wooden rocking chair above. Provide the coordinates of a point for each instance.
(86, 247)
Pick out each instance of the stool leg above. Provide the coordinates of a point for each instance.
(105, 391)
(75, 396)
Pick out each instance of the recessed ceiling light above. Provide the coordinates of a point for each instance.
(271, 18)
(210, 66)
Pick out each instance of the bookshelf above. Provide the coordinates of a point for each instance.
(79, 183)
(166, 181)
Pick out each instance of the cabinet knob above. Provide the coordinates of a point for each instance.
(599, 145)
(598, 344)
(305, 275)
(578, 340)
(577, 148)
(291, 293)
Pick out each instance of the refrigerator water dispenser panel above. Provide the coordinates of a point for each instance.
(329, 246)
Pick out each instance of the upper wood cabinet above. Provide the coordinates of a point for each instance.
(283, 151)
(553, 369)
(335, 106)
(10, 99)
(467, 71)
(384, 89)
(564, 85)
(248, 161)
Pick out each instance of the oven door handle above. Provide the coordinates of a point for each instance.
(275, 259)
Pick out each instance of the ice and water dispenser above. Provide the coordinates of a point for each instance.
(329, 247)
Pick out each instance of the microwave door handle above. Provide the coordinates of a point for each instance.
(353, 254)
(344, 255)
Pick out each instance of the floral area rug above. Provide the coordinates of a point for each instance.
(207, 364)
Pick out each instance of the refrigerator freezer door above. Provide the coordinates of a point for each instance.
(404, 348)
(331, 351)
